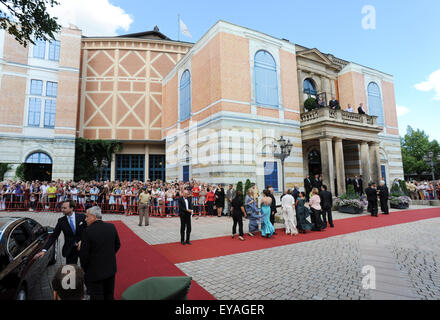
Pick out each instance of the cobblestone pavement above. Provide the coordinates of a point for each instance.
(406, 258)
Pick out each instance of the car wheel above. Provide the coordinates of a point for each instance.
(22, 294)
(54, 258)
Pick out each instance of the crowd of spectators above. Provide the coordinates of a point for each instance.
(423, 190)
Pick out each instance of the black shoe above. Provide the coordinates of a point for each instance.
(183, 243)
(275, 234)
(188, 243)
(332, 226)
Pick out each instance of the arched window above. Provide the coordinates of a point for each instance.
(266, 79)
(375, 103)
(309, 87)
(185, 96)
(39, 158)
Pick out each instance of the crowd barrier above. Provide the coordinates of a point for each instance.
(113, 204)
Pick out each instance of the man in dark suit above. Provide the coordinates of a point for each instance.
(295, 193)
(348, 182)
(308, 187)
(326, 206)
(371, 192)
(317, 182)
(334, 104)
(358, 185)
(185, 211)
(98, 256)
(72, 225)
(273, 207)
(383, 196)
(361, 109)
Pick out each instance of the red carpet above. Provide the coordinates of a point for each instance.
(138, 261)
(217, 247)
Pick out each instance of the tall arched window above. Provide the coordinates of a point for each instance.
(39, 158)
(266, 79)
(375, 103)
(309, 87)
(185, 96)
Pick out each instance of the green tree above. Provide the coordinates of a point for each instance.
(86, 151)
(27, 18)
(415, 145)
(247, 186)
(4, 167)
(239, 187)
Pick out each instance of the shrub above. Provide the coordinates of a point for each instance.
(239, 187)
(247, 186)
(403, 187)
(4, 167)
(310, 104)
(20, 172)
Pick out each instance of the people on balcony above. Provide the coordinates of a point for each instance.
(361, 109)
(334, 104)
(349, 108)
(320, 102)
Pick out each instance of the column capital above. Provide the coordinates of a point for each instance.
(374, 143)
(338, 139)
(326, 138)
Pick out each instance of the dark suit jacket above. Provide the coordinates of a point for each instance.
(326, 199)
(333, 104)
(308, 184)
(371, 194)
(273, 205)
(361, 111)
(295, 194)
(182, 206)
(70, 239)
(383, 193)
(317, 184)
(98, 251)
(358, 187)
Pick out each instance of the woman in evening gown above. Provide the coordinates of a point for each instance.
(302, 213)
(267, 228)
(252, 212)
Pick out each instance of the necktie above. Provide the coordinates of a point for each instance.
(72, 225)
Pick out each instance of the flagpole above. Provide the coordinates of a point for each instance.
(178, 27)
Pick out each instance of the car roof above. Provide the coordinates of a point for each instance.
(6, 222)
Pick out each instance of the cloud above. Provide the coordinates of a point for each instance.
(401, 111)
(93, 17)
(433, 83)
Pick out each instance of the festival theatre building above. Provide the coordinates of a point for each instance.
(209, 111)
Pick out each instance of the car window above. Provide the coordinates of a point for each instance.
(35, 228)
(18, 240)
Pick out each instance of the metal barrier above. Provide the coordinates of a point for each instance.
(109, 204)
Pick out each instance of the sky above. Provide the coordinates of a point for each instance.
(402, 40)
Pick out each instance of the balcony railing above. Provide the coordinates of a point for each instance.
(327, 114)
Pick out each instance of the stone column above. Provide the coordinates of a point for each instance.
(375, 162)
(147, 163)
(365, 163)
(340, 166)
(113, 168)
(328, 174)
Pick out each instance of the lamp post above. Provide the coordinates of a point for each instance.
(431, 160)
(100, 168)
(282, 151)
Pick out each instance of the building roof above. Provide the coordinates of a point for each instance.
(153, 34)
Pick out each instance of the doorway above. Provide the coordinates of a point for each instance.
(315, 165)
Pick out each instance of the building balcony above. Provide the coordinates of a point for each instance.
(326, 122)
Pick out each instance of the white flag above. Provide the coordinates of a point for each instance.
(184, 29)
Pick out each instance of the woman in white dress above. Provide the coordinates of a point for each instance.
(287, 204)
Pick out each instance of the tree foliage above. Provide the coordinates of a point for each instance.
(4, 167)
(416, 145)
(239, 187)
(87, 150)
(27, 18)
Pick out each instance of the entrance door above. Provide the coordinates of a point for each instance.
(315, 166)
(38, 166)
(185, 173)
(384, 173)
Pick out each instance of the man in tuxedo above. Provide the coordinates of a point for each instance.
(361, 109)
(98, 256)
(295, 193)
(72, 225)
(186, 211)
(371, 192)
(383, 196)
(348, 182)
(273, 206)
(308, 187)
(326, 206)
(334, 103)
(358, 185)
(317, 182)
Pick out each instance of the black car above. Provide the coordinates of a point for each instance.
(20, 240)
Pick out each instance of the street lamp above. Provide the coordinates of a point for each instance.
(100, 168)
(282, 151)
(431, 160)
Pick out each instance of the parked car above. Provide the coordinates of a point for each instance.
(20, 240)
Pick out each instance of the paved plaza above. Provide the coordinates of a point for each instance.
(406, 259)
